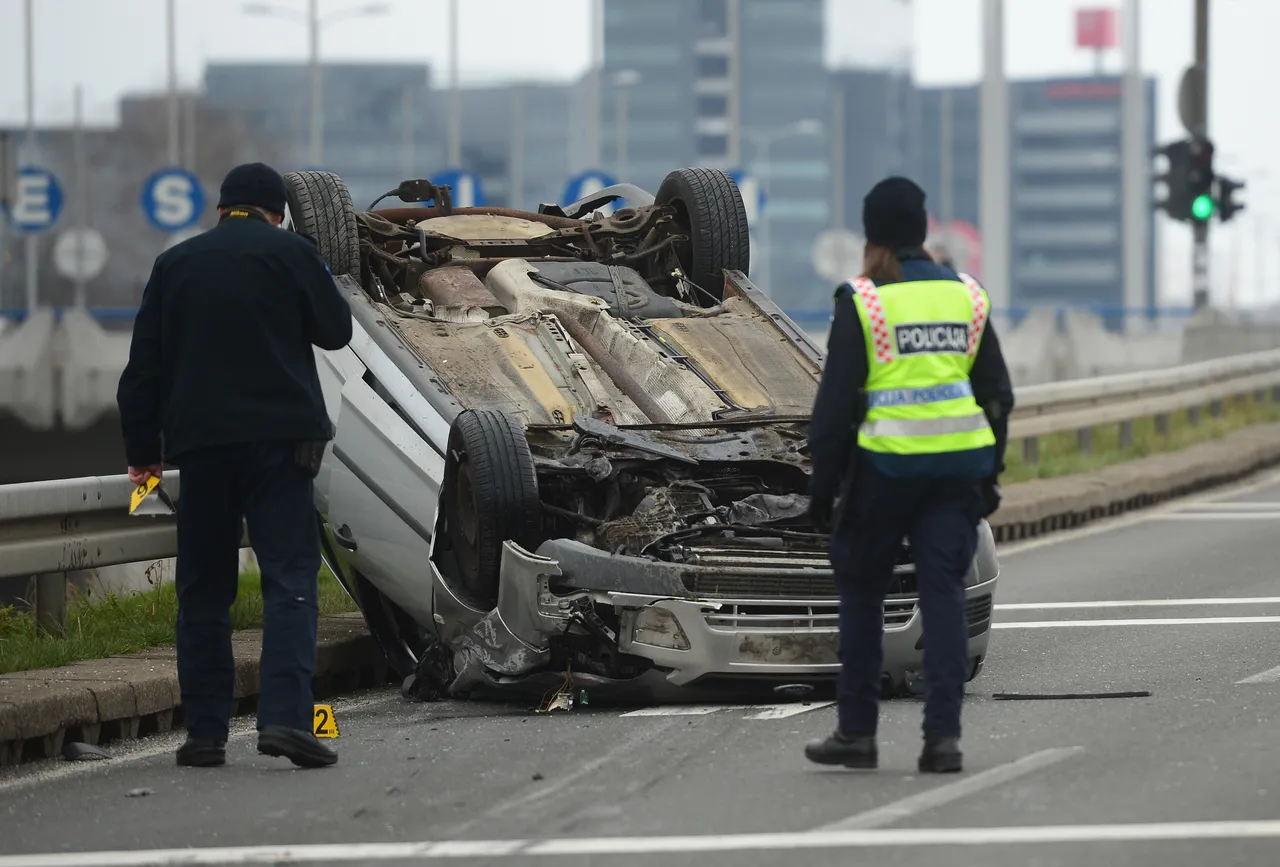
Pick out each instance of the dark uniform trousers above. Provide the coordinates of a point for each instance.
(940, 519)
(259, 483)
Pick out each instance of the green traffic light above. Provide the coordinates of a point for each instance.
(1202, 207)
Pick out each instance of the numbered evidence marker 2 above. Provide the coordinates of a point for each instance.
(324, 723)
(172, 199)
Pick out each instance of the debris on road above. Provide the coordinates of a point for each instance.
(1067, 696)
(75, 751)
(139, 793)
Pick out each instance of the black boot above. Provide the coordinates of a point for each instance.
(941, 756)
(298, 746)
(197, 753)
(852, 751)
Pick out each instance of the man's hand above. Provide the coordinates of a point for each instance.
(139, 475)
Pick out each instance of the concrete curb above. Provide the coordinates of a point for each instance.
(126, 697)
(130, 696)
(1039, 507)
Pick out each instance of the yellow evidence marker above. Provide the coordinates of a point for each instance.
(325, 724)
(141, 501)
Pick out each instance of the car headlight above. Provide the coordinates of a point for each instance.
(658, 627)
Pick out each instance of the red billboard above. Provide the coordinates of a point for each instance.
(1096, 28)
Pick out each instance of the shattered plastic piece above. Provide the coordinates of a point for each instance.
(562, 701)
(583, 698)
(538, 777)
(74, 751)
(138, 793)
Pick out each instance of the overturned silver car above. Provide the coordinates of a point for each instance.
(571, 449)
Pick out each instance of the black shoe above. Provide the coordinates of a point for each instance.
(941, 756)
(202, 754)
(298, 746)
(852, 751)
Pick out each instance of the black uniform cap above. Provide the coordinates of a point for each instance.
(893, 214)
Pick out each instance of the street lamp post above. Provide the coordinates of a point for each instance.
(314, 22)
(762, 142)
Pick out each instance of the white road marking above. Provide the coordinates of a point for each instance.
(46, 772)
(782, 711)
(1271, 675)
(905, 838)
(962, 788)
(1235, 507)
(1143, 621)
(762, 711)
(1140, 603)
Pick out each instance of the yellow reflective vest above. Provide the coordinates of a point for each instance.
(922, 338)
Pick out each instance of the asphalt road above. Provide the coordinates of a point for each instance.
(1182, 602)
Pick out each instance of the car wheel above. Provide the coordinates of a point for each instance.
(709, 204)
(321, 208)
(491, 495)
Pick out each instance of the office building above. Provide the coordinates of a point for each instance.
(732, 84)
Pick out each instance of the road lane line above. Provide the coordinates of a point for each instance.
(27, 776)
(905, 838)
(1271, 675)
(782, 711)
(1218, 516)
(951, 792)
(1140, 603)
(1235, 507)
(686, 709)
(1141, 621)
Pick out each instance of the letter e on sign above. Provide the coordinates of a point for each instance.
(38, 200)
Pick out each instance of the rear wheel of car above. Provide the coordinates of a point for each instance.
(320, 207)
(491, 495)
(709, 204)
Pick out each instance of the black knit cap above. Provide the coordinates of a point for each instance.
(893, 214)
(253, 184)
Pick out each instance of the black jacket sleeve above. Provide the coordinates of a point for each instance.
(324, 310)
(838, 409)
(140, 395)
(993, 389)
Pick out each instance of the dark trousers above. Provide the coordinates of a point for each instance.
(219, 487)
(940, 518)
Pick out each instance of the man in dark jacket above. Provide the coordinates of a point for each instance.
(222, 383)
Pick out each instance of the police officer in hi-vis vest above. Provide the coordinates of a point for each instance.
(907, 441)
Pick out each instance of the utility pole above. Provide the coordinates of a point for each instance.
(32, 254)
(595, 90)
(1200, 132)
(316, 152)
(172, 51)
(82, 198)
(994, 204)
(455, 98)
(1136, 162)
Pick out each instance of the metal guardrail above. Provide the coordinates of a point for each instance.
(48, 529)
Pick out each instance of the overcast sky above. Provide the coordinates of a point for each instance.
(116, 46)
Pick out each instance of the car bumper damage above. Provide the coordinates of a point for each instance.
(682, 645)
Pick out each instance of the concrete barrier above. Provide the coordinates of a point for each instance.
(91, 363)
(28, 386)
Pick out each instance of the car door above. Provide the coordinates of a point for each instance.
(380, 479)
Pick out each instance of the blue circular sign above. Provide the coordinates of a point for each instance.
(172, 199)
(466, 192)
(37, 201)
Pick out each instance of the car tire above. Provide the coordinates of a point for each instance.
(320, 207)
(709, 204)
(491, 495)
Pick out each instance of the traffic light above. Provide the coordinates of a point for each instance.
(1200, 180)
(1177, 200)
(1227, 206)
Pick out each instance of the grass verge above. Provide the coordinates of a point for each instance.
(112, 625)
(1060, 454)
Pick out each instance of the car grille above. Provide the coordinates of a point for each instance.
(978, 609)
(801, 615)
(762, 573)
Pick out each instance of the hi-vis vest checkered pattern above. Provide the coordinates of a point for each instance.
(922, 338)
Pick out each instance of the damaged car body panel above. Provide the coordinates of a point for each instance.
(573, 451)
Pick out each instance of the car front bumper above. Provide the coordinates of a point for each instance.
(692, 641)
